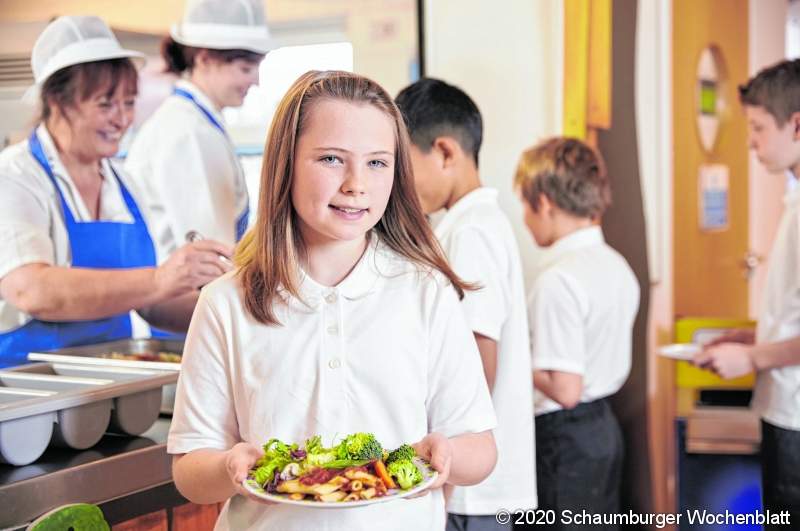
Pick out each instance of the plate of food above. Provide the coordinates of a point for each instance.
(357, 471)
(680, 351)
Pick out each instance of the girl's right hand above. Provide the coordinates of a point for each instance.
(238, 462)
(192, 266)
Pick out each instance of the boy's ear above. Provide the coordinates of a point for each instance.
(448, 148)
(794, 120)
(544, 204)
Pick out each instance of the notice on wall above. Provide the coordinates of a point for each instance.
(713, 197)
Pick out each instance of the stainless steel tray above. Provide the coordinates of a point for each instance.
(94, 354)
(67, 404)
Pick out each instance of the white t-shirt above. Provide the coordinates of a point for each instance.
(32, 226)
(581, 309)
(777, 392)
(481, 247)
(188, 171)
(387, 351)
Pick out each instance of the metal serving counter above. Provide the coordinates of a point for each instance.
(125, 476)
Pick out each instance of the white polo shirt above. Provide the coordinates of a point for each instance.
(480, 245)
(31, 222)
(188, 171)
(777, 393)
(386, 351)
(581, 308)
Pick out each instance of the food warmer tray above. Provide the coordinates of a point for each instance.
(71, 405)
(95, 354)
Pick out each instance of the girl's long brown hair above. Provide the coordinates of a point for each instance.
(268, 255)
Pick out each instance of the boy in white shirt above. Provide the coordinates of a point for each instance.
(446, 129)
(772, 104)
(581, 309)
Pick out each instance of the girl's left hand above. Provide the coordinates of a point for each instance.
(436, 449)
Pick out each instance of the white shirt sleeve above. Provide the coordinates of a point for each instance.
(193, 177)
(474, 260)
(24, 227)
(458, 398)
(204, 415)
(555, 313)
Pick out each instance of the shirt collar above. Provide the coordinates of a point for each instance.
(201, 98)
(362, 280)
(478, 196)
(579, 239)
(793, 195)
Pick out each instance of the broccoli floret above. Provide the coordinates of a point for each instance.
(360, 446)
(404, 453)
(405, 472)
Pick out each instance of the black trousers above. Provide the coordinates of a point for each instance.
(579, 455)
(780, 472)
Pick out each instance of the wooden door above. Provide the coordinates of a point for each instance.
(708, 276)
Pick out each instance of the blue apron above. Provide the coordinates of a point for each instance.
(95, 245)
(241, 221)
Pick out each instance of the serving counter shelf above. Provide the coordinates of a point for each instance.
(125, 476)
(71, 405)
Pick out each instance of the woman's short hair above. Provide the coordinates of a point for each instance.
(77, 83)
(180, 58)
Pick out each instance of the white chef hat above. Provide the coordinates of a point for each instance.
(224, 25)
(72, 40)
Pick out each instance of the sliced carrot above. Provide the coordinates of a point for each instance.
(381, 472)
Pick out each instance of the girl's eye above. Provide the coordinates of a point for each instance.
(378, 164)
(104, 104)
(330, 159)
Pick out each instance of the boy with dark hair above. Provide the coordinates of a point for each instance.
(771, 103)
(581, 311)
(446, 132)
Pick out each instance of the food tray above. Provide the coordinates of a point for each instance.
(95, 355)
(70, 405)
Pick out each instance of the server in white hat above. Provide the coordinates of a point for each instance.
(77, 256)
(182, 156)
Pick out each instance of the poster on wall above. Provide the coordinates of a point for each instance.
(713, 197)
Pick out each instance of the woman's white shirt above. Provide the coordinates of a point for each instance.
(387, 351)
(581, 311)
(32, 225)
(188, 171)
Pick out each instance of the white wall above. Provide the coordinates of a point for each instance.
(767, 26)
(509, 61)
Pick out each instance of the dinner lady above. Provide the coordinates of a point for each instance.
(77, 254)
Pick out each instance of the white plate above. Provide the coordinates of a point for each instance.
(428, 476)
(680, 351)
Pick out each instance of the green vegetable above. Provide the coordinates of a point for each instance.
(344, 463)
(404, 453)
(360, 446)
(277, 455)
(405, 472)
(79, 516)
(318, 455)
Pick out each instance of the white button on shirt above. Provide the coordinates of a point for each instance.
(581, 309)
(403, 364)
(31, 222)
(188, 171)
(480, 245)
(777, 393)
